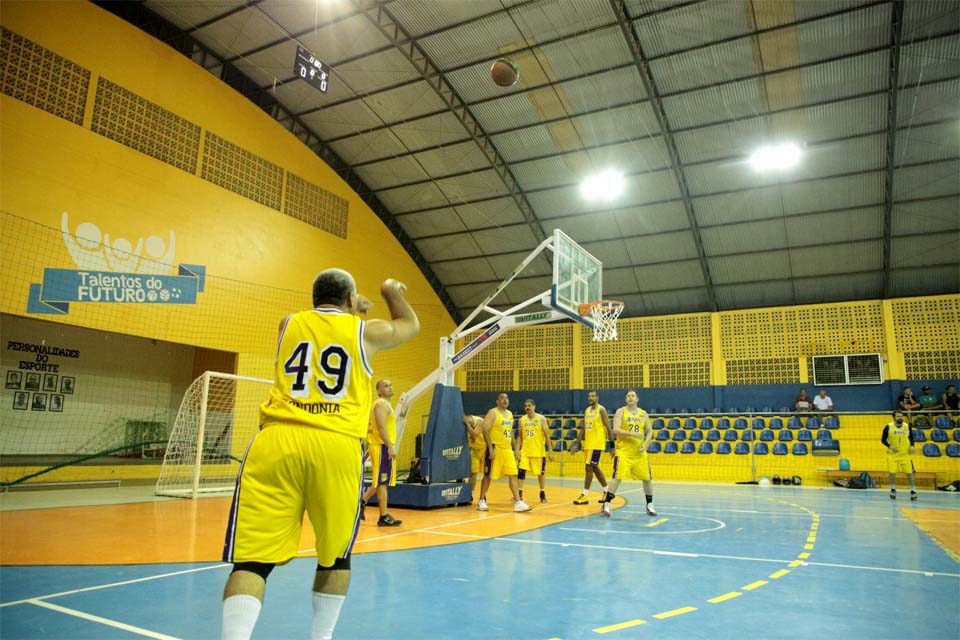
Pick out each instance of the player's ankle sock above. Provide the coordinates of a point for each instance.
(649, 498)
(605, 489)
(586, 492)
(239, 616)
(543, 494)
(609, 497)
(326, 610)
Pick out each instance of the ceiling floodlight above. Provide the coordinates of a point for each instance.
(606, 185)
(775, 158)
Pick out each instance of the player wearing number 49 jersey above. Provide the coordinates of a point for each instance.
(307, 455)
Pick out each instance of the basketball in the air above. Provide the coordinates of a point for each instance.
(504, 72)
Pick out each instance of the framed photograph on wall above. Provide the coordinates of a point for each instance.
(56, 402)
(39, 402)
(32, 382)
(50, 381)
(21, 400)
(66, 384)
(14, 378)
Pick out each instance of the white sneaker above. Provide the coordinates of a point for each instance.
(482, 505)
(650, 510)
(520, 505)
(605, 509)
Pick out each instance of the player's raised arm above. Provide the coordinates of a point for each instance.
(403, 325)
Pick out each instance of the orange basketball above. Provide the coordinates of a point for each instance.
(504, 72)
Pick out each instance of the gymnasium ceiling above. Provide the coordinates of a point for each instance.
(471, 177)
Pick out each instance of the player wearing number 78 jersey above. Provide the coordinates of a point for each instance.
(307, 455)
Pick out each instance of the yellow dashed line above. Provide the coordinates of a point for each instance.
(656, 522)
(779, 574)
(804, 555)
(808, 547)
(674, 612)
(726, 596)
(754, 585)
(812, 539)
(795, 564)
(617, 627)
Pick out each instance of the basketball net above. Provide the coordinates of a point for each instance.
(604, 314)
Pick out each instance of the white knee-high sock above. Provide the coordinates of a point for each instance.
(326, 611)
(239, 616)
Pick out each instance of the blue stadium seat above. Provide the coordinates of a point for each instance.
(780, 449)
(804, 435)
(953, 450)
(776, 424)
(571, 423)
(706, 424)
(766, 409)
(713, 435)
(824, 434)
(688, 447)
(673, 424)
(956, 435)
(749, 435)
(663, 434)
(813, 423)
(667, 411)
(740, 423)
(706, 447)
(766, 435)
(652, 410)
(826, 447)
(749, 410)
(794, 423)
(919, 435)
(654, 447)
(761, 449)
(723, 423)
(571, 434)
(716, 411)
(560, 446)
(658, 424)
(832, 422)
(785, 410)
(943, 422)
(742, 449)
(696, 435)
(730, 435)
(731, 411)
(939, 435)
(931, 450)
(683, 411)
(800, 449)
(723, 447)
(758, 424)
(690, 423)
(671, 447)
(679, 435)
(556, 434)
(701, 410)
(785, 435)
(556, 424)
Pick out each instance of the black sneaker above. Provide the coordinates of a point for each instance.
(543, 497)
(913, 494)
(388, 521)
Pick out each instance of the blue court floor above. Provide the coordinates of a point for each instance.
(716, 562)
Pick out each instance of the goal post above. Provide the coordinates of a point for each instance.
(218, 418)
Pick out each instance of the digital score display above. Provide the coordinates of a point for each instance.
(307, 67)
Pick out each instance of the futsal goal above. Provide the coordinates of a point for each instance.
(218, 418)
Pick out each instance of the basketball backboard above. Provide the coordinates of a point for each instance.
(577, 277)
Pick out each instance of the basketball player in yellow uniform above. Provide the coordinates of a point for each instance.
(307, 456)
(501, 455)
(382, 440)
(898, 439)
(478, 448)
(631, 427)
(592, 438)
(533, 445)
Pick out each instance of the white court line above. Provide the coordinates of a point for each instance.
(784, 513)
(112, 584)
(104, 621)
(865, 568)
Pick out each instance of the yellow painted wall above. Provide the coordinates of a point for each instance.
(260, 262)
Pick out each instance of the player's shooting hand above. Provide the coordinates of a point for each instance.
(392, 287)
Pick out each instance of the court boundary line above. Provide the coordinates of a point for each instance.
(101, 620)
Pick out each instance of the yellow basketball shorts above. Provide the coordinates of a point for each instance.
(503, 463)
(289, 469)
(592, 456)
(632, 467)
(899, 464)
(477, 459)
(384, 469)
(536, 464)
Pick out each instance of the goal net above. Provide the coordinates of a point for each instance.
(218, 417)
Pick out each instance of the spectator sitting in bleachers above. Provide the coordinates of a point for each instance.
(907, 401)
(823, 402)
(928, 401)
(951, 400)
(802, 402)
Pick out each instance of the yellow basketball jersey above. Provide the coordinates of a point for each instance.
(321, 377)
(373, 433)
(635, 423)
(501, 431)
(477, 443)
(533, 442)
(594, 435)
(899, 437)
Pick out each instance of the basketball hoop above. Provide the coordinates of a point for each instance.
(604, 314)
